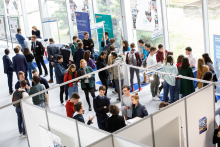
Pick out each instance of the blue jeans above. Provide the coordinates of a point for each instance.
(177, 89)
(22, 47)
(102, 123)
(166, 88)
(41, 105)
(21, 127)
(73, 89)
(31, 67)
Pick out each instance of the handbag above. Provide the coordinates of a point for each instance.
(46, 99)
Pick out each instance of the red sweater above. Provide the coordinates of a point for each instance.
(68, 77)
(159, 56)
(70, 109)
(178, 65)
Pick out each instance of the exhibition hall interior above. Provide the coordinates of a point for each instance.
(109, 73)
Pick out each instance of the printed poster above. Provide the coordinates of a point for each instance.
(13, 22)
(12, 7)
(145, 15)
(202, 125)
(2, 28)
(216, 39)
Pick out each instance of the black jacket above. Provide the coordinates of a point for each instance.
(53, 50)
(80, 118)
(115, 122)
(37, 33)
(215, 138)
(107, 43)
(141, 110)
(88, 43)
(98, 105)
(42, 81)
(101, 64)
(38, 50)
(77, 57)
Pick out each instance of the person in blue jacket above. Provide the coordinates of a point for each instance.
(59, 72)
(138, 110)
(78, 115)
(19, 63)
(20, 39)
(8, 69)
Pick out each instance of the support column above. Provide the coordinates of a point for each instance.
(205, 26)
(70, 23)
(23, 9)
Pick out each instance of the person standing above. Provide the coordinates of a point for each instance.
(151, 60)
(186, 86)
(59, 73)
(209, 63)
(138, 110)
(87, 84)
(21, 76)
(88, 44)
(126, 103)
(107, 39)
(192, 59)
(115, 122)
(19, 63)
(146, 54)
(20, 39)
(70, 104)
(114, 75)
(21, 93)
(142, 46)
(38, 51)
(133, 58)
(8, 69)
(38, 99)
(73, 48)
(36, 32)
(126, 47)
(101, 106)
(70, 75)
(202, 69)
(160, 55)
(43, 81)
(169, 81)
(52, 52)
(78, 55)
(29, 57)
(177, 86)
(103, 75)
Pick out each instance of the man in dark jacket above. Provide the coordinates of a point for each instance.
(52, 52)
(43, 81)
(103, 75)
(101, 106)
(38, 51)
(88, 44)
(59, 72)
(78, 115)
(78, 55)
(107, 41)
(21, 76)
(19, 63)
(8, 69)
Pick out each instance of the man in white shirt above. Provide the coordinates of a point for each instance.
(126, 103)
(192, 59)
(155, 82)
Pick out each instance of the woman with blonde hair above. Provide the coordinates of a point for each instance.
(36, 32)
(138, 110)
(19, 48)
(87, 83)
(70, 75)
(202, 69)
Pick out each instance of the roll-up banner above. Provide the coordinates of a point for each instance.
(83, 24)
(217, 54)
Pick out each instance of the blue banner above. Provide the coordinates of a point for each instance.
(217, 54)
(83, 24)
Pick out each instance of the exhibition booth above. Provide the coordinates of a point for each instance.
(186, 122)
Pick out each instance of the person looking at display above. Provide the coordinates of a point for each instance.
(36, 32)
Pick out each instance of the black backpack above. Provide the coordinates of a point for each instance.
(17, 95)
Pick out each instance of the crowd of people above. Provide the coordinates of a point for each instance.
(82, 62)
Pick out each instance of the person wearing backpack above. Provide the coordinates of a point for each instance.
(133, 58)
(17, 95)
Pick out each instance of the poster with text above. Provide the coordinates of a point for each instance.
(2, 28)
(216, 42)
(145, 15)
(202, 125)
(12, 7)
(79, 6)
(13, 22)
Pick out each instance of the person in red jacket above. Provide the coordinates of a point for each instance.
(70, 104)
(159, 55)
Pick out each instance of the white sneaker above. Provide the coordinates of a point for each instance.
(159, 95)
(20, 134)
(24, 136)
(156, 98)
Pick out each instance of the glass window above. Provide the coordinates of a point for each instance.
(185, 25)
(58, 9)
(2, 11)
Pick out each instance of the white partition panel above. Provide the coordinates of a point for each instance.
(34, 117)
(165, 125)
(201, 106)
(122, 142)
(65, 128)
(89, 135)
(140, 132)
(105, 142)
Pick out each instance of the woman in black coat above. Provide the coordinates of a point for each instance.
(216, 136)
(115, 122)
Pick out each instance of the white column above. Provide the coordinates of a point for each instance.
(23, 9)
(44, 14)
(70, 23)
(205, 26)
